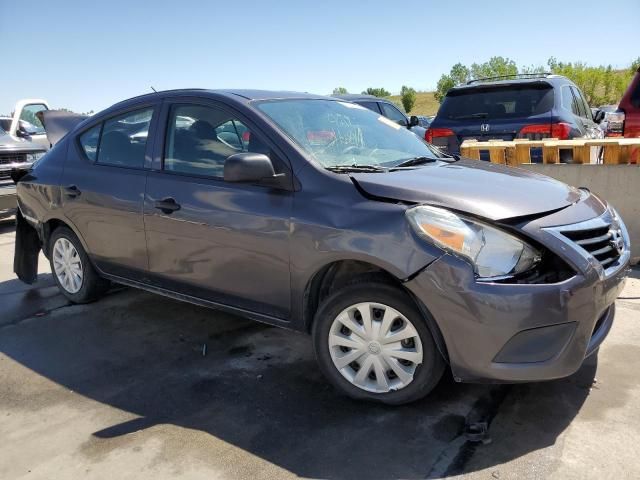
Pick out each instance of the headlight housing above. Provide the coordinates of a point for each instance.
(492, 252)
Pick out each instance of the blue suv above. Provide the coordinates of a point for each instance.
(532, 106)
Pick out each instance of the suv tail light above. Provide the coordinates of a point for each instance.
(538, 132)
(433, 133)
(615, 124)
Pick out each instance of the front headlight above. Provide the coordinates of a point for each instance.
(492, 252)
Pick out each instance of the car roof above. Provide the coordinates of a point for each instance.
(245, 95)
(239, 95)
(354, 97)
(552, 80)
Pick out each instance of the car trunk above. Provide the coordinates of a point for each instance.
(491, 113)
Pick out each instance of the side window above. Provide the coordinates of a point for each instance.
(89, 142)
(373, 106)
(579, 104)
(29, 122)
(582, 103)
(393, 113)
(199, 140)
(567, 98)
(124, 139)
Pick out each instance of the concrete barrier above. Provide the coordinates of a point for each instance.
(618, 184)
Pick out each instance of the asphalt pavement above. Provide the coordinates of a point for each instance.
(139, 386)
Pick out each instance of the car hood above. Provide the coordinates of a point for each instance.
(480, 188)
(11, 144)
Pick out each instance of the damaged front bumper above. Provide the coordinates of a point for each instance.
(501, 332)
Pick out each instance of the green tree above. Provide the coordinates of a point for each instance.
(408, 98)
(340, 91)
(495, 67)
(460, 74)
(376, 92)
(600, 85)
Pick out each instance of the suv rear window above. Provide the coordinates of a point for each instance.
(497, 102)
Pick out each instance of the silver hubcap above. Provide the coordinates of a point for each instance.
(375, 347)
(67, 265)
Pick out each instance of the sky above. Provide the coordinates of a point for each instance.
(86, 55)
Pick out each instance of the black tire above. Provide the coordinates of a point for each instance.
(426, 375)
(93, 286)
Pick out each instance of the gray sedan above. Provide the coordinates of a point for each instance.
(315, 214)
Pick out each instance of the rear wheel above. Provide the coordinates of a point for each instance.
(72, 270)
(372, 342)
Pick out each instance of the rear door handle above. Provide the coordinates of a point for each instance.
(167, 205)
(72, 191)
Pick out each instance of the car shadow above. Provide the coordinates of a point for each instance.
(258, 388)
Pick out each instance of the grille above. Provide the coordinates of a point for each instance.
(604, 243)
(6, 158)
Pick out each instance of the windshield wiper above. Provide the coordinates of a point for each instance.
(412, 162)
(355, 168)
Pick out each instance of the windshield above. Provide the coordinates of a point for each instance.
(497, 102)
(337, 133)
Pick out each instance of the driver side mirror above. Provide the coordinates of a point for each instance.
(247, 167)
(22, 132)
(598, 116)
(413, 121)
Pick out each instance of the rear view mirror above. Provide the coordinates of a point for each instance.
(598, 116)
(413, 121)
(250, 167)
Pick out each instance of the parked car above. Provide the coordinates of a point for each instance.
(608, 111)
(22, 141)
(326, 218)
(388, 109)
(506, 108)
(625, 121)
(425, 121)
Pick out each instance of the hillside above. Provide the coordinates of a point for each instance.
(425, 103)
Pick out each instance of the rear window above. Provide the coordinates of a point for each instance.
(497, 102)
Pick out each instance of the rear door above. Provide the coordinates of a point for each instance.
(224, 242)
(103, 189)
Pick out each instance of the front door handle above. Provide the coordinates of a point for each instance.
(71, 191)
(167, 205)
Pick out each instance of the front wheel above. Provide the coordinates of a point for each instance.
(372, 343)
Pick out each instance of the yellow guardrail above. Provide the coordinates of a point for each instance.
(516, 152)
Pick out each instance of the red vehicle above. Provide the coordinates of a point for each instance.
(626, 121)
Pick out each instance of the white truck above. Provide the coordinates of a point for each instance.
(22, 141)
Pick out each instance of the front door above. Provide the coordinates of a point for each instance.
(26, 124)
(223, 242)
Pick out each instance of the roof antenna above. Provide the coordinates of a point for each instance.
(154, 90)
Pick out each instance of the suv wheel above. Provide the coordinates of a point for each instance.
(372, 342)
(72, 270)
